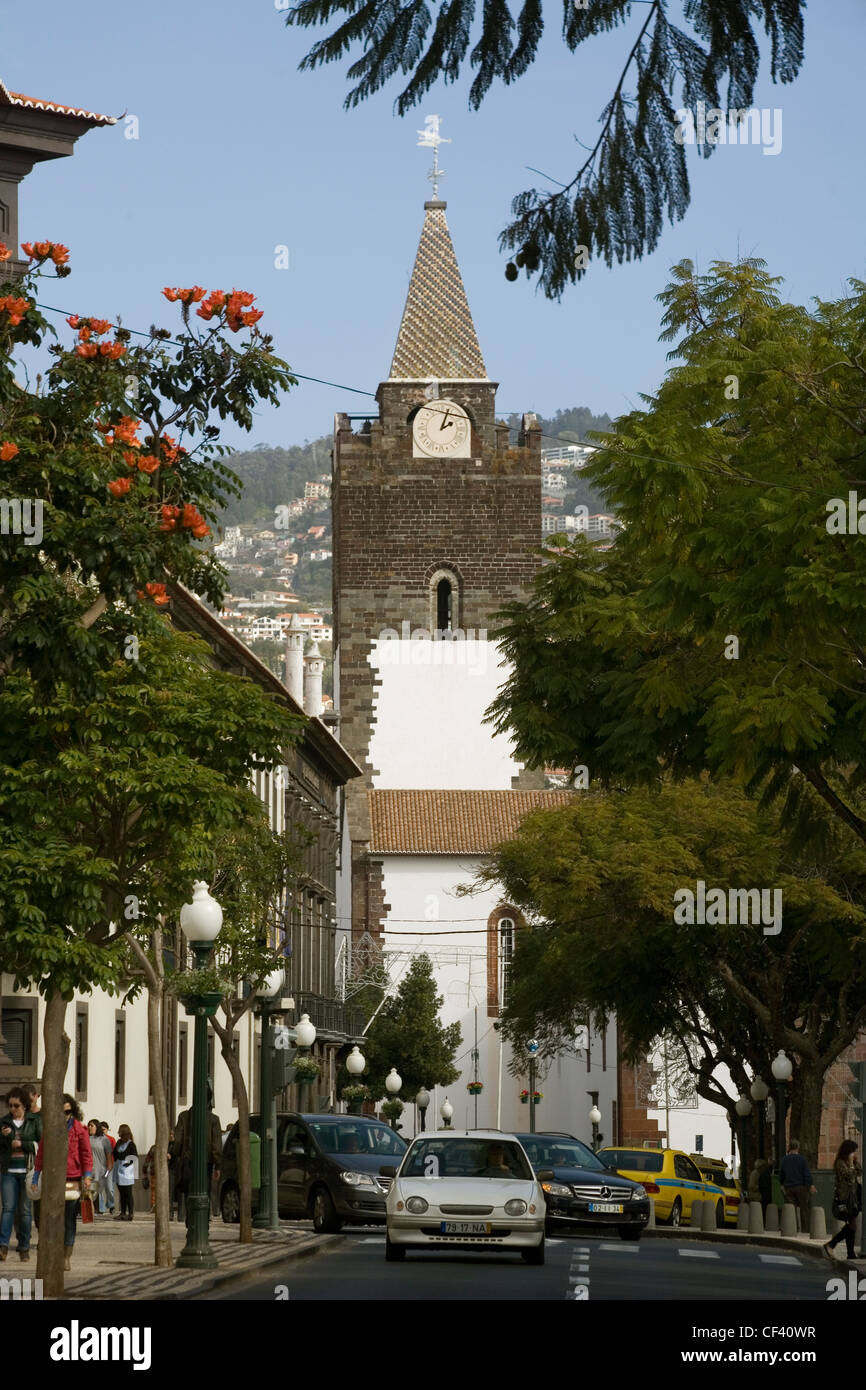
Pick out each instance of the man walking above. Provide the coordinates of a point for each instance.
(797, 1182)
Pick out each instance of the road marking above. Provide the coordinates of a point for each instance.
(629, 1249)
(780, 1259)
(370, 1240)
(701, 1254)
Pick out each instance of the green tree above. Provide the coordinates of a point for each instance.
(634, 177)
(598, 880)
(725, 631)
(112, 807)
(407, 1034)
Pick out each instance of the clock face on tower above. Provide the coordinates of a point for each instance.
(441, 429)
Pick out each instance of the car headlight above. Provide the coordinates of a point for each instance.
(516, 1207)
(358, 1179)
(556, 1189)
(416, 1205)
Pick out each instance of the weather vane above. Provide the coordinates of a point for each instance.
(432, 139)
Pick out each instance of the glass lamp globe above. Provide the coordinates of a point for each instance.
(305, 1032)
(272, 984)
(393, 1082)
(759, 1090)
(355, 1062)
(446, 1109)
(595, 1116)
(422, 1100)
(201, 919)
(782, 1067)
(743, 1106)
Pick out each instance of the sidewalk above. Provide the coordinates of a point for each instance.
(114, 1259)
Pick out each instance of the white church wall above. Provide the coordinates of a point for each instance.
(454, 931)
(429, 708)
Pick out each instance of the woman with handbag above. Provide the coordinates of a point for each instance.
(20, 1133)
(846, 1204)
(126, 1171)
(79, 1172)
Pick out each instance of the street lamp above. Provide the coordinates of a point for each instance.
(743, 1108)
(305, 1036)
(355, 1064)
(269, 995)
(759, 1090)
(446, 1110)
(200, 922)
(595, 1121)
(532, 1049)
(393, 1082)
(422, 1100)
(782, 1069)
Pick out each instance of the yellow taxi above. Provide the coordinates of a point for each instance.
(670, 1177)
(717, 1171)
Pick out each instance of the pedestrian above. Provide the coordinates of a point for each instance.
(126, 1169)
(110, 1175)
(102, 1162)
(149, 1180)
(20, 1133)
(761, 1184)
(181, 1150)
(797, 1182)
(846, 1197)
(33, 1098)
(79, 1172)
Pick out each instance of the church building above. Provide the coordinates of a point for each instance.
(437, 524)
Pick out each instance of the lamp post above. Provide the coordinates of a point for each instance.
(422, 1100)
(267, 1217)
(759, 1090)
(782, 1069)
(200, 922)
(594, 1119)
(355, 1064)
(532, 1049)
(743, 1108)
(305, 1036)
(393, 1082)
(446, 1110)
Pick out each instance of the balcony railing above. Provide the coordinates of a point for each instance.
(329, 1015)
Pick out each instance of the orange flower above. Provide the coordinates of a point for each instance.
(119, 486)
(190, 296)
(154, 588)
(8, 450)
(86, 349)
(59, 254)
(112, 350)
(147, 463)
(125, 432)
(201, 530)
(42, 249)
(73, 320)
(84, 332)
(129, 458)
(171, 295)
(16, 308)
(161, 600)
(27, 248)
(169, 518)
(5, 253)
(100, 325)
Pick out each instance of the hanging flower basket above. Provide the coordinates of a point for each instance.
(306, 1071)
(355, 1093)
(524, 1097)
(475, 1088)
(537, 1096)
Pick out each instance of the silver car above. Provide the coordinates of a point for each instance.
(458, 1189)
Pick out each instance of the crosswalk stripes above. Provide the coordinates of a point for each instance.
(578, 1275)
(700, 1254)
(780, 1259)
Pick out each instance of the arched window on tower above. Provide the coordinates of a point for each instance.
(444, 605)
(506, 952)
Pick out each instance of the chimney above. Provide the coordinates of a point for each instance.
(314, 664)
(295, 659)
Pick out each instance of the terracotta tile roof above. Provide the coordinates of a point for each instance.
(452, 822)
(8, 98)
(437, 336)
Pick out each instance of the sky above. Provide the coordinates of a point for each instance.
(238, 153)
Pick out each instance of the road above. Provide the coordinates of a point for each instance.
(653, 1270)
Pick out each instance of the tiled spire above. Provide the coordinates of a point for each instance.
(437, 337)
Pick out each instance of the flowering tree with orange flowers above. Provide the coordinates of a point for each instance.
(115, 460)
(121, 752)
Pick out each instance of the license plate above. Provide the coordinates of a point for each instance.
(604, 1206)
(465, 1228)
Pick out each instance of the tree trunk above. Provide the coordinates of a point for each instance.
(162, 1253)
(224, 1032)
(49, 1263)
(805, 1111)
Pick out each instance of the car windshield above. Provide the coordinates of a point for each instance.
(465, 1158)
(635, 1160)
(546, 1151)
(357, 1137)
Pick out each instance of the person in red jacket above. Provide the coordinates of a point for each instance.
(79, 1171)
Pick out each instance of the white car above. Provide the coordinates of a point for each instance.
(465, 1189)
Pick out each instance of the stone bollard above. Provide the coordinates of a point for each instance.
(743, 1216)
(695, 1220)
(650, 1225)
(756, 1219)
(708, 1216)
(818, 1224)
(789, 1219)
(772, 1218)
